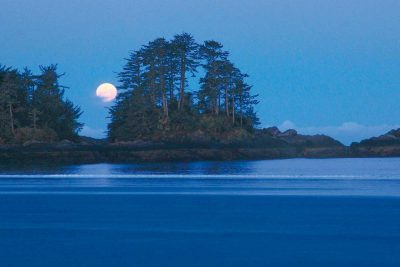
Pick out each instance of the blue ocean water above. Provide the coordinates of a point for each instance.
(296, 212)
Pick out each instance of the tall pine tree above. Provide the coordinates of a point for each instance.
(156, 102)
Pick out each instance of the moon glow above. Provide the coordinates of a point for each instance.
(106, 92)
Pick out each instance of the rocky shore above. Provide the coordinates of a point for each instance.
(269, 143)
(387, 145)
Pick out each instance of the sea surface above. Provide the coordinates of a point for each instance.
(296, 212)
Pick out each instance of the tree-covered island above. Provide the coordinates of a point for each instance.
(178, 100)
(169, 90)
(179, 89)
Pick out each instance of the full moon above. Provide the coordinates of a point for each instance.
(106, 92)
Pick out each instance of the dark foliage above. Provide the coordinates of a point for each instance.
(162, 98)
(33, 108)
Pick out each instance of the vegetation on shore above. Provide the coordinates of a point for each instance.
(181, 89)
(169, 90)
(33, 107)
(177, 96)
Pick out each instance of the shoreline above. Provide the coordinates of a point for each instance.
(126, 154)
(266, 144)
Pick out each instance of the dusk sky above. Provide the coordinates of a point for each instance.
(329, 67)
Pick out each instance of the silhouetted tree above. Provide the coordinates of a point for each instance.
(155, 101)
(186, 51)
(211, 84)
(33, 107)
(9, 91)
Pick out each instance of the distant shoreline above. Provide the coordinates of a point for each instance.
(268, 144)
(126, 154)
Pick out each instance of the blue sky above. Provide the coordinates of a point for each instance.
(328, 67)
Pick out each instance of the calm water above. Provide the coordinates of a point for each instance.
(334, 212)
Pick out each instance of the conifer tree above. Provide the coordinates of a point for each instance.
(185, 49)
(9, 97)
(33, 107)
(155, 101)
(211, 84)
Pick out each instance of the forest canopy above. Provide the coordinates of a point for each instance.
(33, 107)
(169, 90)
(179, 88)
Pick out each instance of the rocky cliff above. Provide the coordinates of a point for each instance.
(387, 145)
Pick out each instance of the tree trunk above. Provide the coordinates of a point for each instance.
(182, 84)
(164, 97)
(34, 119)
(233, 109)
(11, 119)
(226, 99)
(171, 92)
(241, 112)
(165, 104)
(215, 101)
(153, 86)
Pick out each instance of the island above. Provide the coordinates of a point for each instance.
(178, 100)
(269, 143)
